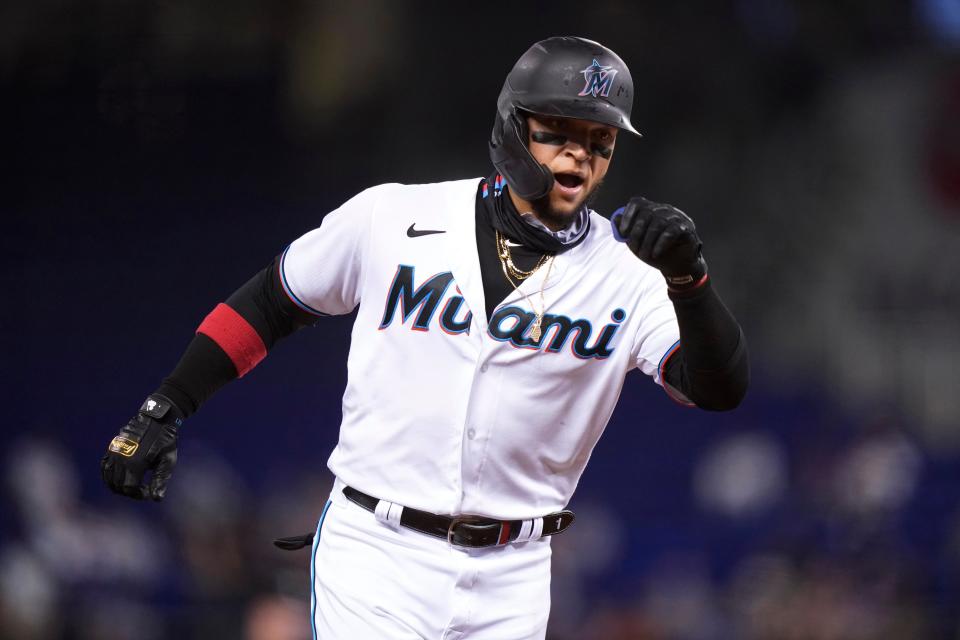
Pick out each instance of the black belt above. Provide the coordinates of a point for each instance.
(464, 531)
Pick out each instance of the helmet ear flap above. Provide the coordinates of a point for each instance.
(525, 176)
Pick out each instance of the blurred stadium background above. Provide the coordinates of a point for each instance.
(157, 153)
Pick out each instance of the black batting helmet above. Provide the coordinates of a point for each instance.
(563, 76)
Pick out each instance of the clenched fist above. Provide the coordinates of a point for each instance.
(664, 237)
(148, 442)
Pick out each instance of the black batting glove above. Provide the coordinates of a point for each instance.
(148, 442)
(665, 238)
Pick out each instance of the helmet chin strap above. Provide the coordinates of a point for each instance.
(527, 178)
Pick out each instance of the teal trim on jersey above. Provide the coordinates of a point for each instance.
(673, 394)
(313, 573)
(290, 294)
(668, 353)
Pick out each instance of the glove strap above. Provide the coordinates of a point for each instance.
(685, 283)
(159, 407)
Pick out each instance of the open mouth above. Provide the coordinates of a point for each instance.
(568, 180)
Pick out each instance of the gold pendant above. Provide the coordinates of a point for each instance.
(535, 330)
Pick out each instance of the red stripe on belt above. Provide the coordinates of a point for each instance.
(504, 533)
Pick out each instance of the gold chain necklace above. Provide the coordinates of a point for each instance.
(503, 250)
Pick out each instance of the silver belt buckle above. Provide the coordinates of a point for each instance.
(454, 521)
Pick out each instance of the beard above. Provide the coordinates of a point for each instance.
(556, 219)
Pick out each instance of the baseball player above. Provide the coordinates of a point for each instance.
(496, 320)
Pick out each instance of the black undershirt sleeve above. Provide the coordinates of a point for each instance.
(266, 306)
(711, 367)
(205, 367)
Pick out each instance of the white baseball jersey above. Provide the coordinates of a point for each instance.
(449, 411)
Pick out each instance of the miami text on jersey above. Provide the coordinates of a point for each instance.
(508, 324)
(425, 298)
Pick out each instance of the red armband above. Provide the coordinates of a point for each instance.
(237, 337)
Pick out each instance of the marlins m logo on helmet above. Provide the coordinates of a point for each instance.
(599, 80)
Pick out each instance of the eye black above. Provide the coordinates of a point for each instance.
(546, 137)
(602, 151)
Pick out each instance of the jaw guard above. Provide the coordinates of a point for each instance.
(527, 178)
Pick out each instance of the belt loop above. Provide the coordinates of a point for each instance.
(525, 529)
(537, 529)
(530, 530)
(388, 513)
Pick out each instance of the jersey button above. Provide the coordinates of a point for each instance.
(484, 367)
(471, 433)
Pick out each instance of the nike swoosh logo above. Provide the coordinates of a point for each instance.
(416, 233)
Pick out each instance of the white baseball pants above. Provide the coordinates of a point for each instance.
(374, 581)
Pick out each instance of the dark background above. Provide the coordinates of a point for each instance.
(158, 153)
